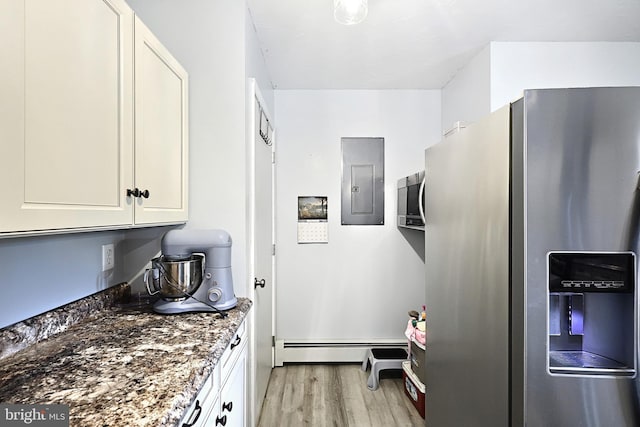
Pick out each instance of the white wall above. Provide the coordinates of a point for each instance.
(256, 67)
(362, 283)
(466, 97)
(207, 38)
(500, 72)
(519, 66)
(216, 43)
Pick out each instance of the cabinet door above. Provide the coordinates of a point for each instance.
(161, 134)
(66, 104)
(233, 393)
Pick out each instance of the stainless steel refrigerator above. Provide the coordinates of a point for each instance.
(532, 221)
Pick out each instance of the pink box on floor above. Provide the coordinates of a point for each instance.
(413, 388)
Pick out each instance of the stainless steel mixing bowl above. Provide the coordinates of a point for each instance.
(175, 279)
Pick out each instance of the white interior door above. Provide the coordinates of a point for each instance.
(263, 254)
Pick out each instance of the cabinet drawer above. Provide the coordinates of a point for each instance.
(204, 403)
(232, 352)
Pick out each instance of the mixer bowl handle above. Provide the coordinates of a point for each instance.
(146, 282)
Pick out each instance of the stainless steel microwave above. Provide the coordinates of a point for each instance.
(411, 201)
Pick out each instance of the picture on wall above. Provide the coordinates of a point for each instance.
(313, 224)
(312, 208)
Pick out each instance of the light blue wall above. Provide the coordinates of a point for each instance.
(40, 273)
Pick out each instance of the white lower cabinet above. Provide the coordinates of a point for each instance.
(222, 400)
(232, 394)
(205, 404)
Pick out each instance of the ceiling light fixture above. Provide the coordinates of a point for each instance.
(349, 12)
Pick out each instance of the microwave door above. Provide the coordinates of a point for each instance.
(410, 207)
(421, 201)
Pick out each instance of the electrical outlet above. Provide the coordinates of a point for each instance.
(108, 257)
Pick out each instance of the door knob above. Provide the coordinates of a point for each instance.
(257, 283)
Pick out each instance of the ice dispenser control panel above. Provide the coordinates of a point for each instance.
(592, 313)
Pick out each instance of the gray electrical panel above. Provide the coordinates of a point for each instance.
(362, 181)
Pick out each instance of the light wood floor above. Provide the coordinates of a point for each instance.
(335, 395)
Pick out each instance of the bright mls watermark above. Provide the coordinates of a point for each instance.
(34, 415)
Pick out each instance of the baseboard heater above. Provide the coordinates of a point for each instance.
(328, 351)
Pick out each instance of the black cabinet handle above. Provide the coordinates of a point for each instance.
(257, 282)
(236, 342)
(136, 192)
(227, 406)
(198, 411)
(221, 421)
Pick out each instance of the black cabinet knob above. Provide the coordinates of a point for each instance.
(221, 421)
(136, 192)
(227, 406)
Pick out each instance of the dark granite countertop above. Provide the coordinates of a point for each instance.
(116, 365)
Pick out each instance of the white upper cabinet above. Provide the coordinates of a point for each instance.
(161, 132)
(66, 144)
(67, 131)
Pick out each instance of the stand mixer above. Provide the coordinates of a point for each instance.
(188, 281)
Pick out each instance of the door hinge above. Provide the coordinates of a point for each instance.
(273, 157)
(273, 341)
(273, 249)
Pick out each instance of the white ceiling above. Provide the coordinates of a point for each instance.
(418, 44)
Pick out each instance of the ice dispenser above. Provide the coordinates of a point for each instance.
(592, 313)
